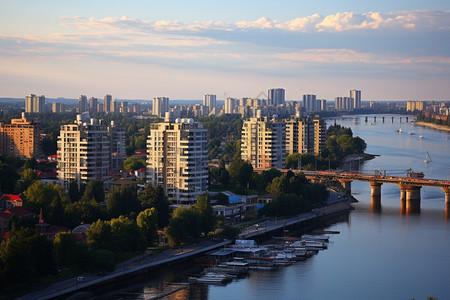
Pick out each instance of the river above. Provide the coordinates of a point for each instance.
(377, 255)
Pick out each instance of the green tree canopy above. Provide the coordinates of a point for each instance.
(122, 200)
(133, 163)
(240, 172)
(186, 224)
(94, 190)
(147, 221)
(154, 197)
(204, 209)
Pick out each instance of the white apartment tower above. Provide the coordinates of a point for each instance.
(263, 143)
(276, 97)
(230, 105)
(160, 106)
(83, 150)
(177, 159)
(209, 100)
(355, 95)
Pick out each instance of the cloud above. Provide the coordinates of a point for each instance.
(345, 21)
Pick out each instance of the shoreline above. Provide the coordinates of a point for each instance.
(431, 125)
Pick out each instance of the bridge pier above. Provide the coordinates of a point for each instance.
(347, 185)
(402, 199)
(375, 196)
(365, 120)
(413, 199)
(447, 194)
(383, 119)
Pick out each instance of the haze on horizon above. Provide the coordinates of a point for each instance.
(182, 50)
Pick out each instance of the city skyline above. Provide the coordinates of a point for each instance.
(136, 50)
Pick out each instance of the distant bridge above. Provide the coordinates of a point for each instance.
(409, 186)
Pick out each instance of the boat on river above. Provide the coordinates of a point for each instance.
(427, 158)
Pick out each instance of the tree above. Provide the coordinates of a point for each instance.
(69, 251)
(186, 224)
(240, 172)
(229, 232)
(204, 209)
(94, 190)
(82, 212)
(74, 192)
(27, 177)
(103, 260)
(51, 198)
(122, 200)
(154, 197)
(126, 235)
(147, 221)
(278, 185)
(99, 236)
(8, 177)
(134, 163)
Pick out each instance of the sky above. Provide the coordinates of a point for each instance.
(136, 49)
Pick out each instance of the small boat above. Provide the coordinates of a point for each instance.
(427, 158)
(421, 136)
(411, 133)
(399, 130)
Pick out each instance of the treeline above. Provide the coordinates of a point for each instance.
(422, 118)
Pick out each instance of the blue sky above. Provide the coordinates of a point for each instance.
(391, 50)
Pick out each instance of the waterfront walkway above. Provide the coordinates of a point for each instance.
(136, 264)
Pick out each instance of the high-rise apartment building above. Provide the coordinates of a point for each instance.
(229, 105)
(93, 107)
(160, 106)
(107, 103)
(343, 103)
(117, 146)
(57, 107)
(415, 105)
(322, 104)
(209, 100)
(124, 107)
(83, 150)
(320, 135)
(263, 143)
(20, 138)
(276, 97)
(305, 135)
(177, 159)
(82, 104)
(355, 96)
(34, 104)
(299, 136)
(310, 103)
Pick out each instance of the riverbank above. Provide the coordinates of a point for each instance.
(353, 161)
(431, 125)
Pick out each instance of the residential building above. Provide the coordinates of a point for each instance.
(355, 96)
(299, 136)
(209, 100)
(160, 106)
(57, 107)
(20, 138)
(124, 107)
(93, 105)
(230, 105)
(82, 104)
(415, 105)
(117, 144)
(177, 159)
(263, 142)
(276, 97)
(343, 103)
(107, 103)
(34, 104)
(310, 103)
(83, 150)
(320, 135)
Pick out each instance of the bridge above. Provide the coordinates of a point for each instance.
(409, 186)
